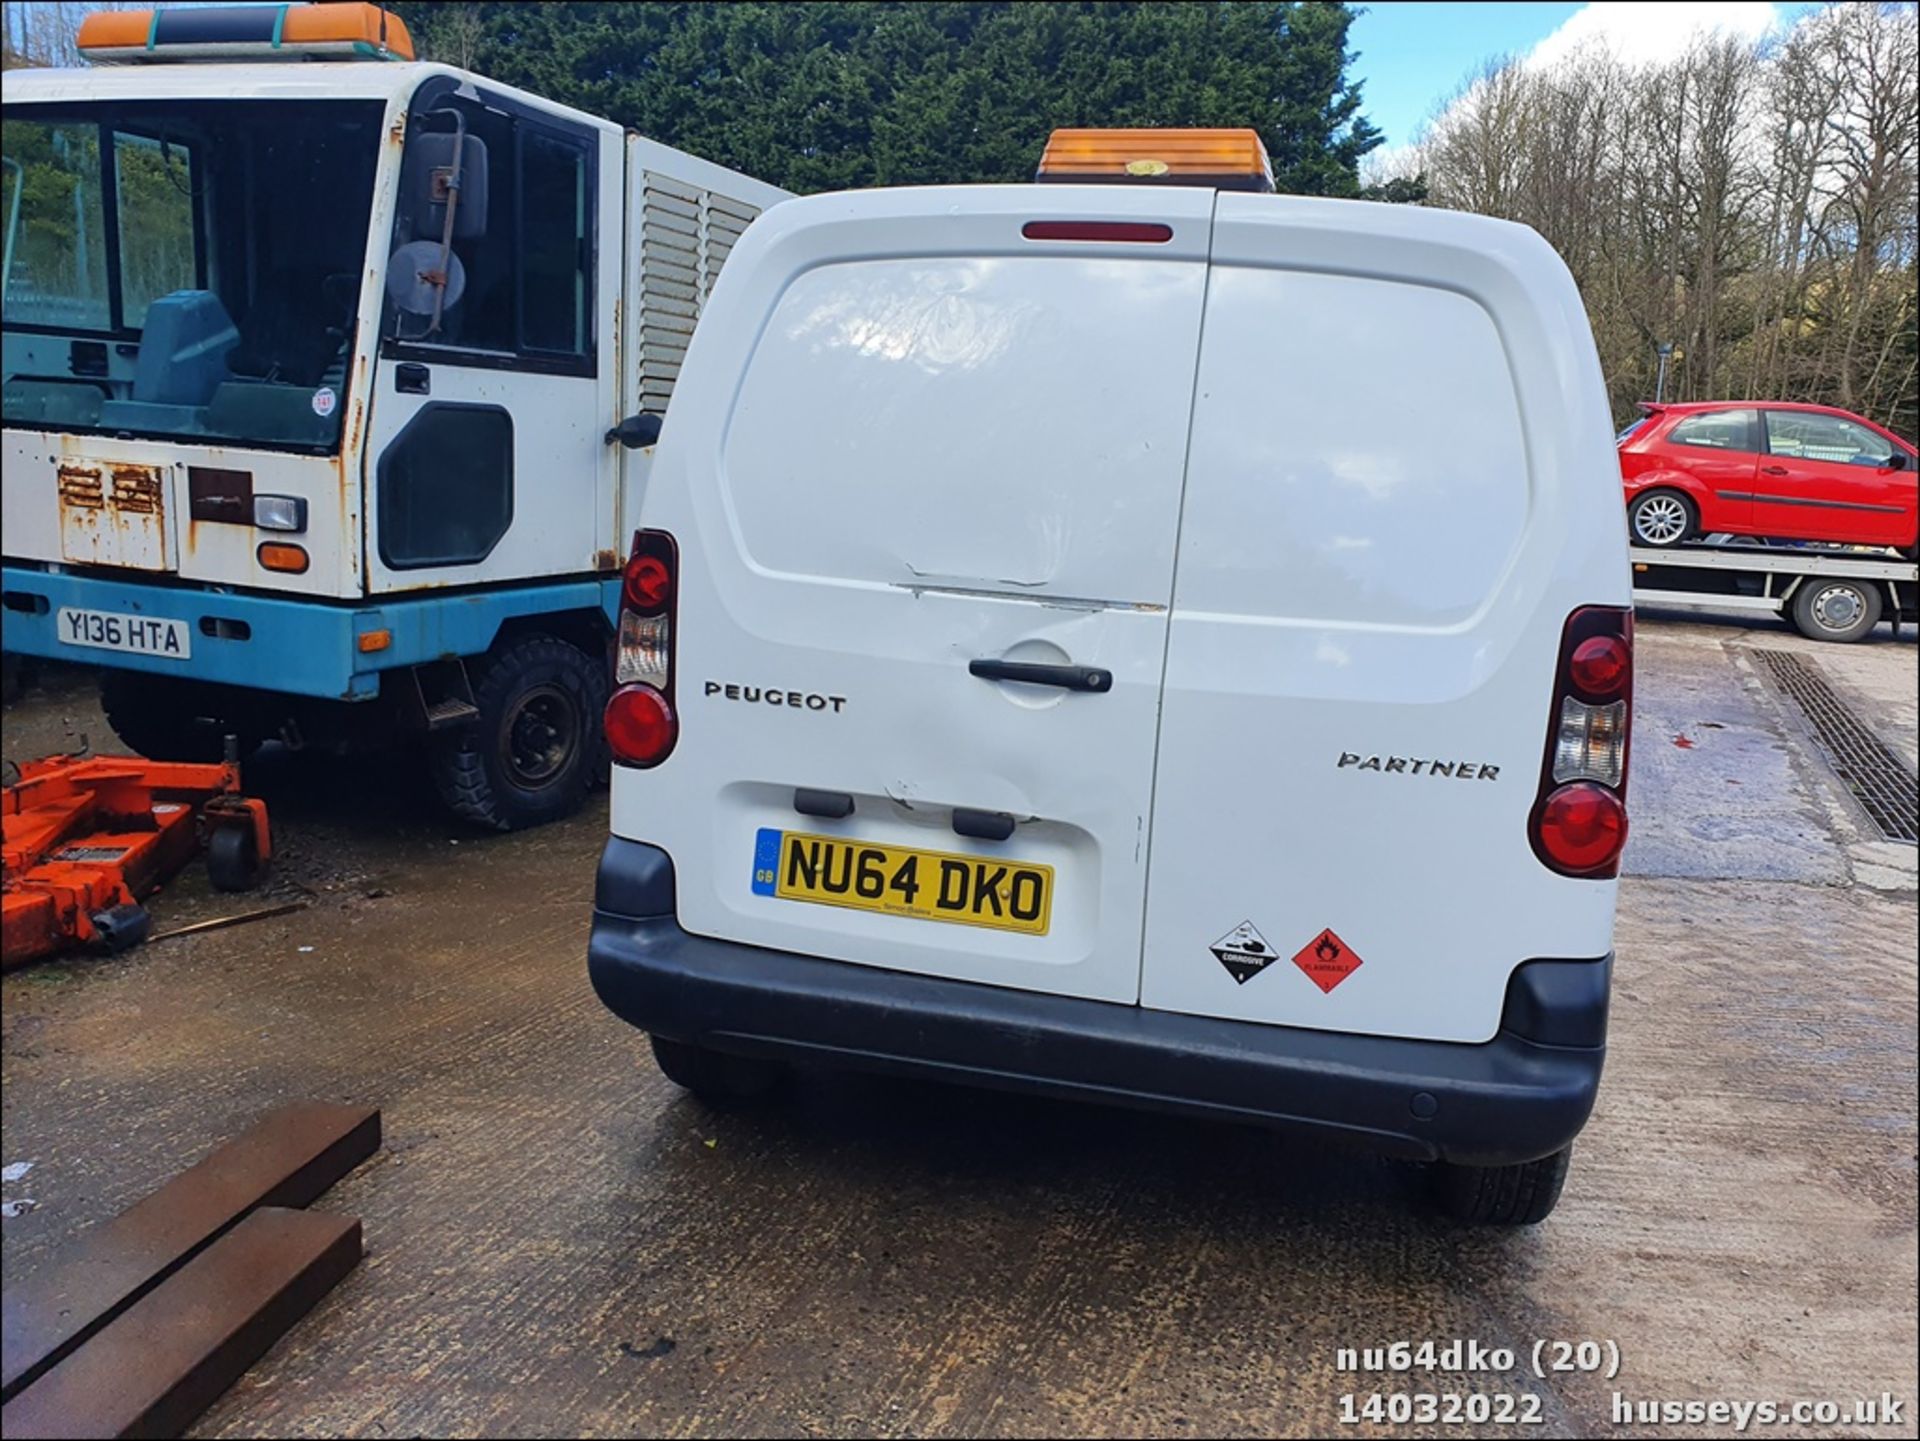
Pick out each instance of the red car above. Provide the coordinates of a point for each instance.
(1771, 469)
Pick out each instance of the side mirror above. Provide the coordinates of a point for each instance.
(636, 431)
(426, 180)
(1898, 461)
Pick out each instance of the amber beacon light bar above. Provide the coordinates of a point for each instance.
(1220, 159)
(245, 32)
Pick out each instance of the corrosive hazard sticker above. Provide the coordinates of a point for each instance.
(1326, 960)
(1244, 952)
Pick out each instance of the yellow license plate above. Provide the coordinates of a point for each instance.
(901, 881)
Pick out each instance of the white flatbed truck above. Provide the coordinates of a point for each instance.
(1837, 595)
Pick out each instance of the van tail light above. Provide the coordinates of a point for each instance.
(640, 722)
(641, 726)
(1579, 821)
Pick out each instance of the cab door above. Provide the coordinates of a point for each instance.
(486, 457)
(1826, 477)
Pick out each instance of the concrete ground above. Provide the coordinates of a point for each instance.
(562, 1243)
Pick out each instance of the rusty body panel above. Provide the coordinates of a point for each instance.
(152, 1370)
(289, 1158)
(92, 500)
(114, 514)
(80, 487)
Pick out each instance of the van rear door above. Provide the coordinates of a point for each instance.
(1401, 483)
(926, 440)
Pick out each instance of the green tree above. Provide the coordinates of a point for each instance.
(876, 92)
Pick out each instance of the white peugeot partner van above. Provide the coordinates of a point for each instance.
(1165, 644)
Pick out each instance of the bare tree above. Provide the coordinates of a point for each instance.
(1751, 203)
(453, 35)
(44, 32)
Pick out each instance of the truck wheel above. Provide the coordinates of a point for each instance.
(716, 1078)
(165, 718)
(530, 756)
(1827, 609)
(1662, 518)
(1522, 1195)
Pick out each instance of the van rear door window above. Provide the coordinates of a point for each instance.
(1009, 424)
(1357, 453)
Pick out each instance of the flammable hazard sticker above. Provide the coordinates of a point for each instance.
(1244, 952)
(1327, 960)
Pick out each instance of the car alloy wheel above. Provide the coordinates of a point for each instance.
(1660, 520)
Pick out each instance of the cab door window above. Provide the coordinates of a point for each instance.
(516, 286)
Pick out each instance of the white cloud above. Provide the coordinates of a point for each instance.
(1640, 31)
(1379, 166)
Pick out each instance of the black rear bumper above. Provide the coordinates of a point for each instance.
(1523, 1094)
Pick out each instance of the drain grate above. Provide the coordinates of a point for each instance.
(1878, 778)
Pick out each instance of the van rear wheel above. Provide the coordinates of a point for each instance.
(1522, 1195)
(718, 1079)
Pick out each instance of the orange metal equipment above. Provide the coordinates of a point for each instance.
(87, 837)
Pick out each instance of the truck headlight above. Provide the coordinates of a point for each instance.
(280, 512)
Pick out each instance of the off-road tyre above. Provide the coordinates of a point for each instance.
(535, 748)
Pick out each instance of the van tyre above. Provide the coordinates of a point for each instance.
(1522, 1195)
(716, 1078)
(1663, 518)
(532, 753)
(165, 718)
(1843, 610)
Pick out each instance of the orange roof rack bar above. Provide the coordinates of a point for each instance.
(246, 32)
(1222, 159)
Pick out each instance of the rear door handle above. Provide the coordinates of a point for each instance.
(828, 805)
(1773, 470)
(982, 825)
(1068, 677)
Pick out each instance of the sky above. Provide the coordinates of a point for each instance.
(1414, 54)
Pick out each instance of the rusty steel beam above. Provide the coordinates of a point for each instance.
(287, 1159)
(165, 1359)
